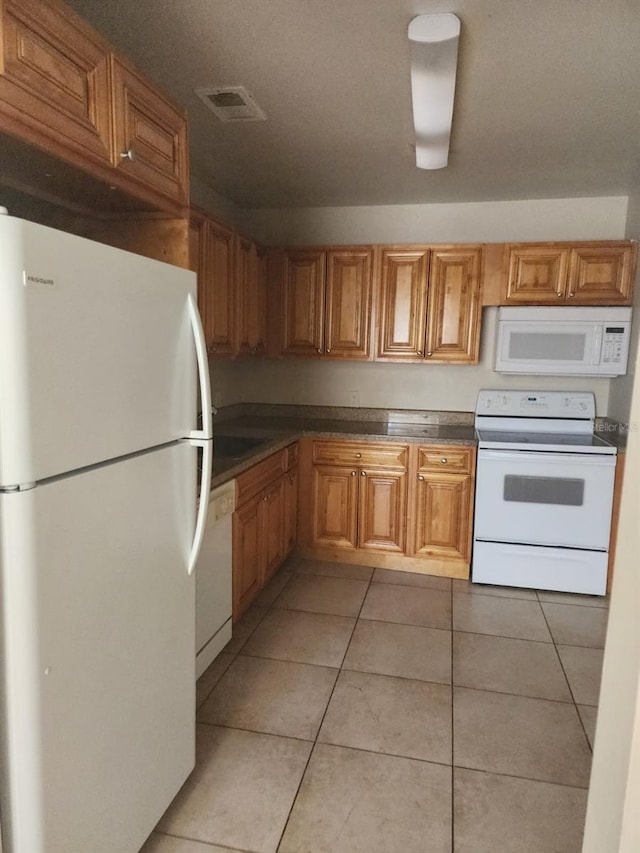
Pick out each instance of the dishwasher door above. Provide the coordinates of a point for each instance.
(214, 578)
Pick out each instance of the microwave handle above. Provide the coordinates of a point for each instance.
(597, 343)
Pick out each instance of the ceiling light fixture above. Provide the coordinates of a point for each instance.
(434, 56)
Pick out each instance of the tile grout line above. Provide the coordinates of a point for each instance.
(564, 672)
(315, 740)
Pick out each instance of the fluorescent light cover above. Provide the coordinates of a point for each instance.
(434, 56)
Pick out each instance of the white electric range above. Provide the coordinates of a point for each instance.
(544, 492)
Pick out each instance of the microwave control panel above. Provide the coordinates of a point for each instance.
(614, 345)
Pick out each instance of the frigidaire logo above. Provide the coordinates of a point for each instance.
(37, 279)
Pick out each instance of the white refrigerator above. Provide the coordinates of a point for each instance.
(103, 368)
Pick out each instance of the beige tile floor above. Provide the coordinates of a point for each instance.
(366, 710)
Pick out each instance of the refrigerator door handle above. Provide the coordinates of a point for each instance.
(203, 373)
(203, 501)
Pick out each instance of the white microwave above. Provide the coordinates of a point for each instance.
(563, 341)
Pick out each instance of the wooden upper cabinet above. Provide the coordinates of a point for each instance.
(585, 273)
(348, 303)
(430, 304)
(64, 92)
(326, 302)
(403, 296)
(602, 275)
(303, 285)
(216, 296)
(536, 273)
(454, 311)
(54, 80)
(150, 134)
(251, 298)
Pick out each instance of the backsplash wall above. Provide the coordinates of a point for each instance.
(402, 386)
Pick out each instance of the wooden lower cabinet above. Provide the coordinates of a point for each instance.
(335, 501)
(247, 562)
(264, 525)
(443, 502)
(382, 510)
(357, 507)
(442, 516)
(290, 511)
(404, 507)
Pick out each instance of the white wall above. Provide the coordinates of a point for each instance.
(402, 386)
(218, 206)
(613, 813)
(410, 385)
(620, 396)
(487, 222)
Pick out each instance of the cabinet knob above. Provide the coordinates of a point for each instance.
(353, 473)
(421, 477)
(429, 354)
(419, 352)
(444, 460)
(559, 294)
(571, 295)
(358, 455)
(328, 349)
(129, 154)
(320, 350)
(363, 473)
(265, 497)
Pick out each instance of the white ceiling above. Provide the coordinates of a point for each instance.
(547, 97)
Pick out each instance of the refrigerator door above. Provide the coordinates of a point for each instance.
(97, 354)
(97, 712)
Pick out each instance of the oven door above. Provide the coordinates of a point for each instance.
(538, 498)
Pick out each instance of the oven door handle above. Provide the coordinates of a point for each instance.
(569, 458)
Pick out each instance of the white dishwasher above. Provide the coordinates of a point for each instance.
(214, 578)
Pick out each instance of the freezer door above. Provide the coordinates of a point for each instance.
(97, 355)
(98, 633)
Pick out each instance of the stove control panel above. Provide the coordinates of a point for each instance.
(536, 404)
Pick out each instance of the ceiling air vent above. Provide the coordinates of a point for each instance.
(231, 103)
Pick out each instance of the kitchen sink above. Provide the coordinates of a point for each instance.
(235, 446)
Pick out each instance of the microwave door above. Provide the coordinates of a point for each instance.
(529, 347)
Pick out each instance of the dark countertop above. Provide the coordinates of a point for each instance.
(279, 432)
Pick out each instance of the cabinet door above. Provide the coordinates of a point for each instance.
(290, 511)
(454, 312)
(303, 276)
(249, 304)
(382, 510)
(602, 275)
(150, 135)
(272, 539)
(348, 303)
(247, 556)
(216, 298)
(537, 274)
(403, 304)
(335, 491)
(260, 327)
(443, 515)
(54, 81)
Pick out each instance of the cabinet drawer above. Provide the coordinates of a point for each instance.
(445, 458)
(360, 454)
(259, 477)
(291, 456)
